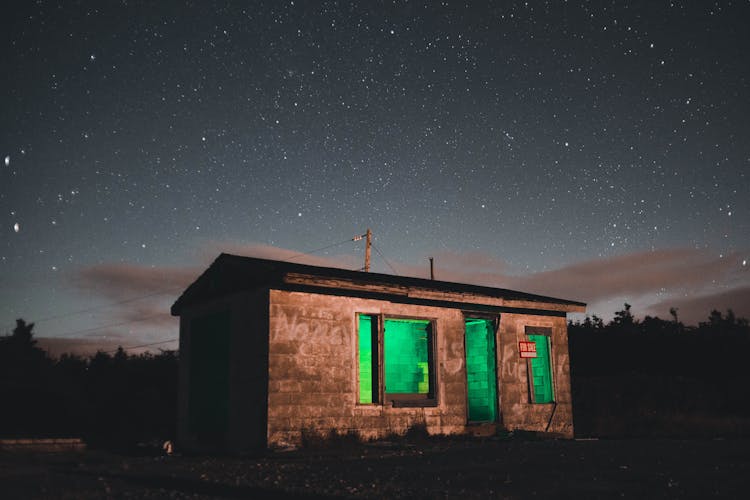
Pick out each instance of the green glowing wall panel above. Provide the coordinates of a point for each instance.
(208, 393)
(367, 353)
(541, 370)
(406, 356)
(480, 370)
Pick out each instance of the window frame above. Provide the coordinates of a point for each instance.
(398, 400)
(376, 355)
(547, 332)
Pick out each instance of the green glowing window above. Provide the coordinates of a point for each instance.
(540, 369)
(405, 365)
(368, 359)
(407, 359)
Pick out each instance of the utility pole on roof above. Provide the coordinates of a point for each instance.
(368, 245)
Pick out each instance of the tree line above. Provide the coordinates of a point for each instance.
(630, 377)
(659, 377)
(110, 400)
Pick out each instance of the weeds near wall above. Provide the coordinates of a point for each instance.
(332, 439)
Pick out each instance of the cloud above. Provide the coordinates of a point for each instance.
(595, 280)
(143, 295)
(477, 268)
(119, 281)
(651, 280)
(691, 310)
(154, 315)
(138, 311)
(635, 274)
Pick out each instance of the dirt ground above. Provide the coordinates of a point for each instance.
(490, 468)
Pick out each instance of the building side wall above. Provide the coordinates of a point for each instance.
(517, 409)
(313, 385)
(248, 373)
(183, 381)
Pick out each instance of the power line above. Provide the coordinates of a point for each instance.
(316, 250)
(104, 306)
(102, 327)
(384, 259)
(141, 345)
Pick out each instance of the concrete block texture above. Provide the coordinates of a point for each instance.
(517, 407)
(313, 363)
(313, 360)
(294, 371)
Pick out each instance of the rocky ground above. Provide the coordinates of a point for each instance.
(511, 467)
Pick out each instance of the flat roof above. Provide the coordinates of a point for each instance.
(234, 273)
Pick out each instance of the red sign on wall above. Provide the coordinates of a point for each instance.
(527, 349)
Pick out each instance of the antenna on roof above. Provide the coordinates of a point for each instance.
(432, 268)
(368, 244)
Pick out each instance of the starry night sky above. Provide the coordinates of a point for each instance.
(598, 151)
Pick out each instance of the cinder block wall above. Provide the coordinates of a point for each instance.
(305, 367)
(518, 412)
(312, 373)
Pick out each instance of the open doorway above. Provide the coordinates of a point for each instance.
(481, 378)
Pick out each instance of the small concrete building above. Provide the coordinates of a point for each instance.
(273, 350)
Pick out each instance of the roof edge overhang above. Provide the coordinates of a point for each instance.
(426, 294)
(538, 309)
(231, 273)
